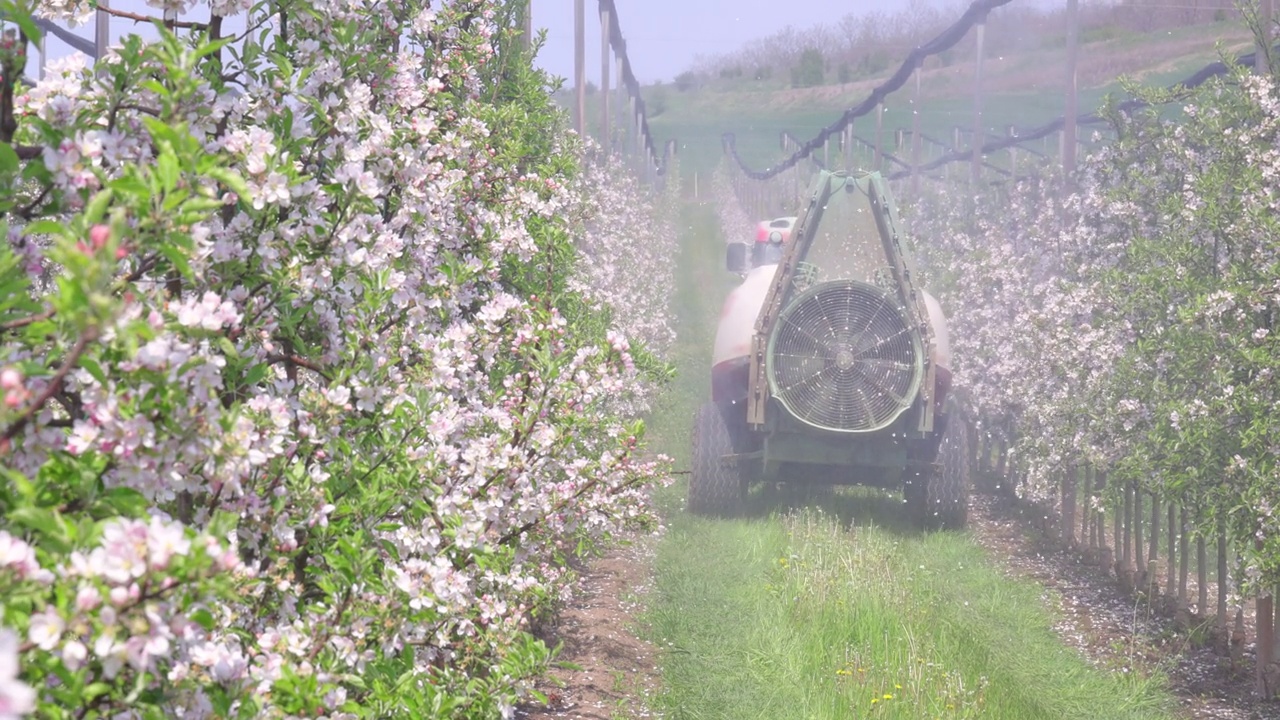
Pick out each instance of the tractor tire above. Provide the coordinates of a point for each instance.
(715, 486)
(940, 500)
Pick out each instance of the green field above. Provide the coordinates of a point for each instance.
(757, 113)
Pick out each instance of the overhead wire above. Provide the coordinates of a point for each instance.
(976, 13)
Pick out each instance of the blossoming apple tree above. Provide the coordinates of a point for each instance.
(320, 356)
(1131, 326)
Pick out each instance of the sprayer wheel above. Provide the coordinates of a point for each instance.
(940, 500)
(716, 486)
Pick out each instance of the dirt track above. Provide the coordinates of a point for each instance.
(619, 670)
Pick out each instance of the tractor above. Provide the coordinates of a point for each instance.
(832, 366)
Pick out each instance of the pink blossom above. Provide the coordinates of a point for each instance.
(16, 697)
(46, 628)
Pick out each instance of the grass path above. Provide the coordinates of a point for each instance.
(824, 613)
(840, 610)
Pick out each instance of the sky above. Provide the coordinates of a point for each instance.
(664, 36)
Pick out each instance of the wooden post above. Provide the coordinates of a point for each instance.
(1012, 131)
(42, 47)
(1170, 566)
(1262, 46)
(1273, 681)
(1235, 643)
(1069, 506)
(795, 182)
(633, 127)
(1139, 562)
(879, 149)
(580, 66)
(915, 135)
(1100, 520)
(526, 37)
(1184, 557)
(1265, 615)
(1153, 542)
(1223, 580)
(848, 148)
(1202, 576)
(605, 27)
(1002, 456)
(1086, 509)
(977, 104)
(619, 55)
(101, 32)
(1127, 553)
(1117, 523)
(1073, 37)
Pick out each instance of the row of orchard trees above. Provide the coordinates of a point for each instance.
(321, 356)
(1130, 323)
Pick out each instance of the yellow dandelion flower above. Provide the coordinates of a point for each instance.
(875, 700)
(888, 696)
(897, 686)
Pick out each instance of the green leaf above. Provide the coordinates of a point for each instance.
(97, 206)
(256, 374)
(130, 185)
(126, 501)
(176, 256)
(172, 200)
(9, 162)
(93, 690)
(203, 618)
(44, 522)
(167, 170)
(201, 205)
(49, 227)
(93, 368)
(227, 347)
(231, 179)
(28, 26)
(212, 47)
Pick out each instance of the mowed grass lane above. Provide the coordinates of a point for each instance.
(839, 609)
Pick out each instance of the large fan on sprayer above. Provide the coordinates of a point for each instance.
(832, 366)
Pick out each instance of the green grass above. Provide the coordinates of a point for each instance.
(795, 613)
(843, 613)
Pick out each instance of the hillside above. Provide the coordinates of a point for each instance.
(1022, 88)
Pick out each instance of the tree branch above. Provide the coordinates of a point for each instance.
(136, 17)
(29, 320)
(28, 212)
(295, 359)
(54, 386)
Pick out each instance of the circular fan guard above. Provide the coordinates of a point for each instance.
(843, 357)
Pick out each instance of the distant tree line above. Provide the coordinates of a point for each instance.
(864, 45)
